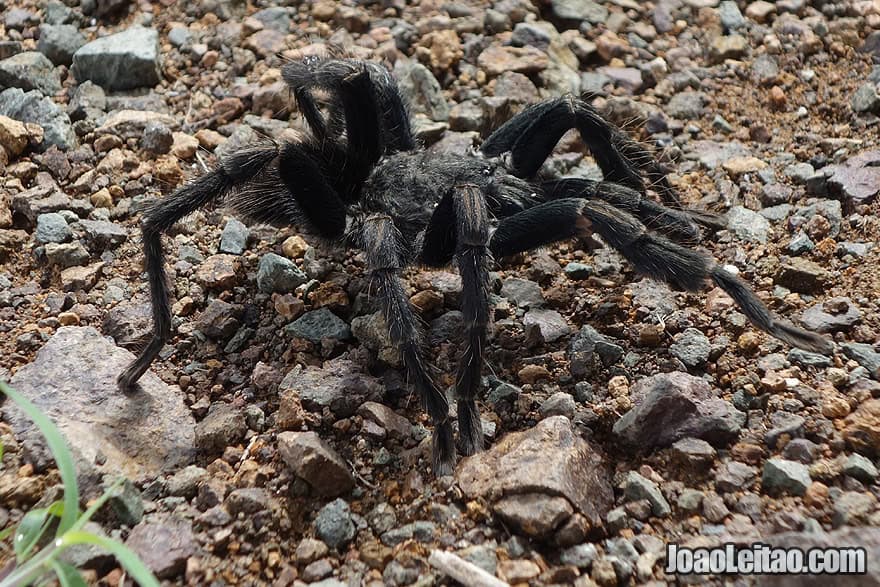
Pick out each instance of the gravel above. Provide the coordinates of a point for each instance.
(279, 366)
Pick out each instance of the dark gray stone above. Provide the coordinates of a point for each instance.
(864, 355)
(122, 61)
(317, 325)
(30, 70)
(691, 348)
(671, 406)
(522, 292)
(222, 427)
(578, 10)
(550, 323)
(89, 100)
(234, 238)
(334, 524)
(52, 228)
(858, 178)
(781, 476)
(866, 99)
(275, 17)
(783, 423)
(804, 358)
(748, 225)
(731, 18)
(157, 138)
(102, 234)
(801, 450)
(686, 105)
(60, 42)
(277, 274)
(636, 487)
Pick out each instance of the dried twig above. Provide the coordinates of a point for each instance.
(468, 574)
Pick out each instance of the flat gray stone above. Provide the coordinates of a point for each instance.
(73, 381)
(30, 70)
(123, 61)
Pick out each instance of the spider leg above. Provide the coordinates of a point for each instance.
(651, 254)
(237, 169)
(472, 259)
(384, 246)
(388, 105)
(249, 183)
(532, 134)
(679, 224)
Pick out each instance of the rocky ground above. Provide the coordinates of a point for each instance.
(277, 442)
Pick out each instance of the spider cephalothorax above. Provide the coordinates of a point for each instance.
(361, 180)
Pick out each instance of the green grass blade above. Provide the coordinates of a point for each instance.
(68, 575)
(6, 532)
(59, 449)
(31, 528)
(128, 559)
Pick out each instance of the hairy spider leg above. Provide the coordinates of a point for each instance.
(385, 250)
(655, 256)
(472, 258)
(240, 167)
(678, 224)
(330, 74)
(532, 135)
(304, 179)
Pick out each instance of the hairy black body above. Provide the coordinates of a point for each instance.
(360, 180)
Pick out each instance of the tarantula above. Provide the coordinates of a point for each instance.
(360, 179)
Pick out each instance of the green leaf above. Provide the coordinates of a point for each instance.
(128, 559)
(62, 455)
(6, 532)
(68, 575)
(31, 528)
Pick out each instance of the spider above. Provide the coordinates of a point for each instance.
(360, 179)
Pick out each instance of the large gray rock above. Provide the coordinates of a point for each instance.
(73, 381)
(60, 42)
(672, 406)
(549, 460)
(30, 70)
(33, 107)
(123, 61)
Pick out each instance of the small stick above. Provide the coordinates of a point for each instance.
(468, 574)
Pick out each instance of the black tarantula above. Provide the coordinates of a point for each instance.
(361, 180)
